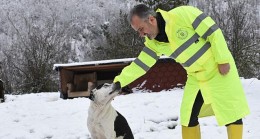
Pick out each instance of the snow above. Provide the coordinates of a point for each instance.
(150, 115)
(124, 60)
(110, 61)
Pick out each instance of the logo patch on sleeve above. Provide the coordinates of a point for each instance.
(182, 33)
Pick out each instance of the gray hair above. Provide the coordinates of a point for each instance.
(141, 11)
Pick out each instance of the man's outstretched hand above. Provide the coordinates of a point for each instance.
(223, 68)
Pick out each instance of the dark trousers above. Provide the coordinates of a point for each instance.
(196, 110)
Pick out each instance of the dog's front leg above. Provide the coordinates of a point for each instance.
(109, 130)
(110, 135)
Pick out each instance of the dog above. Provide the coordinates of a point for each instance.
(104, 122)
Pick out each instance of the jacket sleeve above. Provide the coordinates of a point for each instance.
(146, 59)
(207, 29)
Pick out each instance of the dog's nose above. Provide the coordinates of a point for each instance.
(116, 86)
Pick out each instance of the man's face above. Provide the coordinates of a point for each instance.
(147, 27)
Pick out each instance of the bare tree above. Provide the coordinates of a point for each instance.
(33, 54)
(164, 4)
(122, 40)
(37, 34)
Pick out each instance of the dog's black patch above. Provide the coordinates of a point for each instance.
(91, 96)
(99, 86)
(122, 128)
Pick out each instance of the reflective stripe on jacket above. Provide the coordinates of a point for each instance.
(146, 59)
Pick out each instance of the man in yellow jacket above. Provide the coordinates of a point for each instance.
(194, 40)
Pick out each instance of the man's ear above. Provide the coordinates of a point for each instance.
(152, 20)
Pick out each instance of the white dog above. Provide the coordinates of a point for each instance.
(104, 122)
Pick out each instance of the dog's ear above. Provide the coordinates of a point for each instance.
(99, 86)
(91, 96)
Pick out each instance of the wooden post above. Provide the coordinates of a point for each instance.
(2, 97)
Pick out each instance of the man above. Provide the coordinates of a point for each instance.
(195, 41)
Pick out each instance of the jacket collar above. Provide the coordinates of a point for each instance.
(168, 20)
(161, 36)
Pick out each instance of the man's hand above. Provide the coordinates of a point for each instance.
(116, 86)
(223, 68)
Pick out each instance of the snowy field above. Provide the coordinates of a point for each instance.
(150, 116)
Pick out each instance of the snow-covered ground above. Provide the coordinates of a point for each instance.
(150, 115)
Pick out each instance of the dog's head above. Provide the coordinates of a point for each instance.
(103, 94)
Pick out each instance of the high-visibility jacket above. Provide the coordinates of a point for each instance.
(196, 42)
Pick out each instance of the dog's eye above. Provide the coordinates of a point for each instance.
(105, 85)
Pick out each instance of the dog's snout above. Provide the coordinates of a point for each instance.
(111, 92)
(116, 86)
